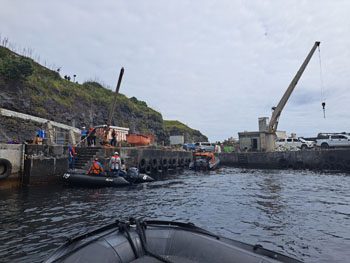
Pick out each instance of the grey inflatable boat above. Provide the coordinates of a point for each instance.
(139, 241)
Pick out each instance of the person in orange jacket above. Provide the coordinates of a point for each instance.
(96, 168)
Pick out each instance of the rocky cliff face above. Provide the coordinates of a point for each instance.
(45, 94)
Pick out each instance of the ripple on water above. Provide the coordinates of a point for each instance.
(299, 213)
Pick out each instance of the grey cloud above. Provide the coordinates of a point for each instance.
(216, 66)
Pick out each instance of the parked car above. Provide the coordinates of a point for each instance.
(309, 144)
(326, 140)
(189, 146)
(294, 142)
(205, 147)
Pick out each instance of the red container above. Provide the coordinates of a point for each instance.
(139, 139)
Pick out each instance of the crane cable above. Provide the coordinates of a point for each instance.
(322, 85)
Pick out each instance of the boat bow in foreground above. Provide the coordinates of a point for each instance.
(160, 241)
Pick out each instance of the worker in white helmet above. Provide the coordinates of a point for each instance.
(114, 164)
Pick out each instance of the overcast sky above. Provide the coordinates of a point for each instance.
(216, 66)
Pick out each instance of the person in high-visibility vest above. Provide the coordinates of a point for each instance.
(115, 163)
(96, 168)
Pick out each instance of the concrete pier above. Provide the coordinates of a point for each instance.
(324, 160)
(14, 153)
(35, 164)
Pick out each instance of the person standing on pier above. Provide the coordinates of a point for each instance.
(41, 132)
(92, 137)
(41, 136)
(96, 168)
(114, 138)
(115, 164)
(84, 133)
(72, 155)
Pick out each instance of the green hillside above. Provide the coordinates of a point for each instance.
(28, 87)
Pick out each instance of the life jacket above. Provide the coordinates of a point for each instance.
(72, 150)
(115, 159)
(96, 168)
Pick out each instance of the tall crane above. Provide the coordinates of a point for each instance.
(272, 126)
(115, 97)
(111, 112)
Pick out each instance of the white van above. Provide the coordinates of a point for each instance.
(205, 147)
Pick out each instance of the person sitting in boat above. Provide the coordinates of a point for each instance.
(114, 164)
(123, 167)
(96, 168)
(122, 171)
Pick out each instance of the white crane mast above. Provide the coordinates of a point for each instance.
(272, 126)
(277, 111)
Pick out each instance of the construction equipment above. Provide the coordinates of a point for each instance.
(115, 97)
(111, 112)
(272, 126)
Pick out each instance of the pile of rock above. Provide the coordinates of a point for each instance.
(284, 148)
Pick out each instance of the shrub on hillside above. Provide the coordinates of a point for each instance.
(14, 68)
(138, 102)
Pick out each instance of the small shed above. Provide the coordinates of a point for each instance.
(249, 141)
(177, 139)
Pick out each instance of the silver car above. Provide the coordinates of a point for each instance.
(204, 147)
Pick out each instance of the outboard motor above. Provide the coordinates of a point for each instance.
(201, 165)
(133, 174)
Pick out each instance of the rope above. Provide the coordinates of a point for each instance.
(81, 141)
(323, 96)
(321, 76)
(140, 229)
(123, 228)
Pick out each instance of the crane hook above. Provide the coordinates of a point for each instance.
(324, 109)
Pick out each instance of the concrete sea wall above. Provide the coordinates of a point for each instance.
(43, 162)
(147, 157)
(14, 154)
(334, 159)
(34, 164)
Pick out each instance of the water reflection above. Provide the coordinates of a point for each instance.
(302, 214)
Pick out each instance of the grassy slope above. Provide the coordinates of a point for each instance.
(178, 128)
(49, 85)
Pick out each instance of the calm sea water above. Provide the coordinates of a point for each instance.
(303, 214)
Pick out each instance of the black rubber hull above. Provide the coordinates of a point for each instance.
(203, 165)
(79, 177)
(177, 242)
(94, 181)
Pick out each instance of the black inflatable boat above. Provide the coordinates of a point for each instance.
(160, 241)
(79, 177)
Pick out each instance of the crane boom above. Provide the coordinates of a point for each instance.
(277, 111)
(115, 97)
